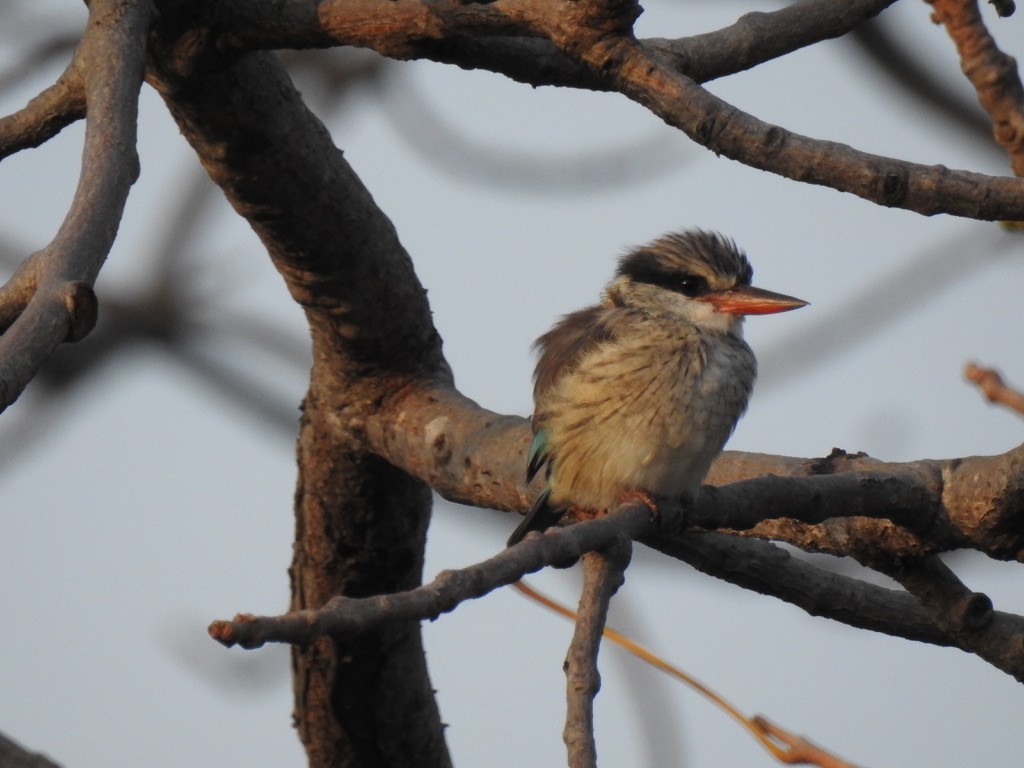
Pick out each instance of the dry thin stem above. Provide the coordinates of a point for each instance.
(783, 745)
(603, 573)
(50, 299)
(992, 73)
(994, 388)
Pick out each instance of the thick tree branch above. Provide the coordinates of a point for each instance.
(904, 500)
(50, 299)
(360, 522)
(478, 36)
(604, 571)
(606, 57)
(474, 456)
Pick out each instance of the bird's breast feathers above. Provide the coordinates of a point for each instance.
(647, 407)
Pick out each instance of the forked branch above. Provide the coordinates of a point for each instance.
(50, 300)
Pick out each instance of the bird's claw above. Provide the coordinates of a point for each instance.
(637, 494)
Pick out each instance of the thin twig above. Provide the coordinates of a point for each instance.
(994, 388)
(603, 574)
(782, 744)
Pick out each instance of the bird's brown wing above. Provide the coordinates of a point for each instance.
(573, 336)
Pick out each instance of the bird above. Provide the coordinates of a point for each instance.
(638, 394)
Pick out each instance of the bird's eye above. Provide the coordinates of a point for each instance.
(692, 285)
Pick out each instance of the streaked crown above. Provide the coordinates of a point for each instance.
(692, 263)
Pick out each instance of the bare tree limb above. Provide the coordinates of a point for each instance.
(965, 616)
(350, 616)
(50, 300)
(768, 569)
(604, 571)
(761, 36)
(601, 41)
(743, 505)
(480, 38)
(360, 522)
(649, 80)
(992, 73)
(474, 456)
(48, 113)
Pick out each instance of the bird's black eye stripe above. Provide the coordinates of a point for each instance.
(641, 270)
(692, 285)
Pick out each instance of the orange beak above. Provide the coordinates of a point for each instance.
(747, 300)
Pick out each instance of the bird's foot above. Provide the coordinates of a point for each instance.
(638, 494)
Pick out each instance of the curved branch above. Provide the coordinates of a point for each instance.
(51, 294)
(608, 58)
(905, 499)
(47, 114)
(758, 36)
(486, 37)
(992, 73)
(343, 616)
(646, 77)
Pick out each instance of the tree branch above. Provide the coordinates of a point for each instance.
(47, 114)
(992, 73)
(966, 617)
(768, 569)
(994, 388)
(474, 456)
(604, 571)
(486, 37)
(566, 50)
(761, 36)
(50, 299)
(648, 79)
(344, 616)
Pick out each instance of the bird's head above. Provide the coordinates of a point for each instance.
(697, 276)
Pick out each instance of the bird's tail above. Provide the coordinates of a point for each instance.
(540, 517)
